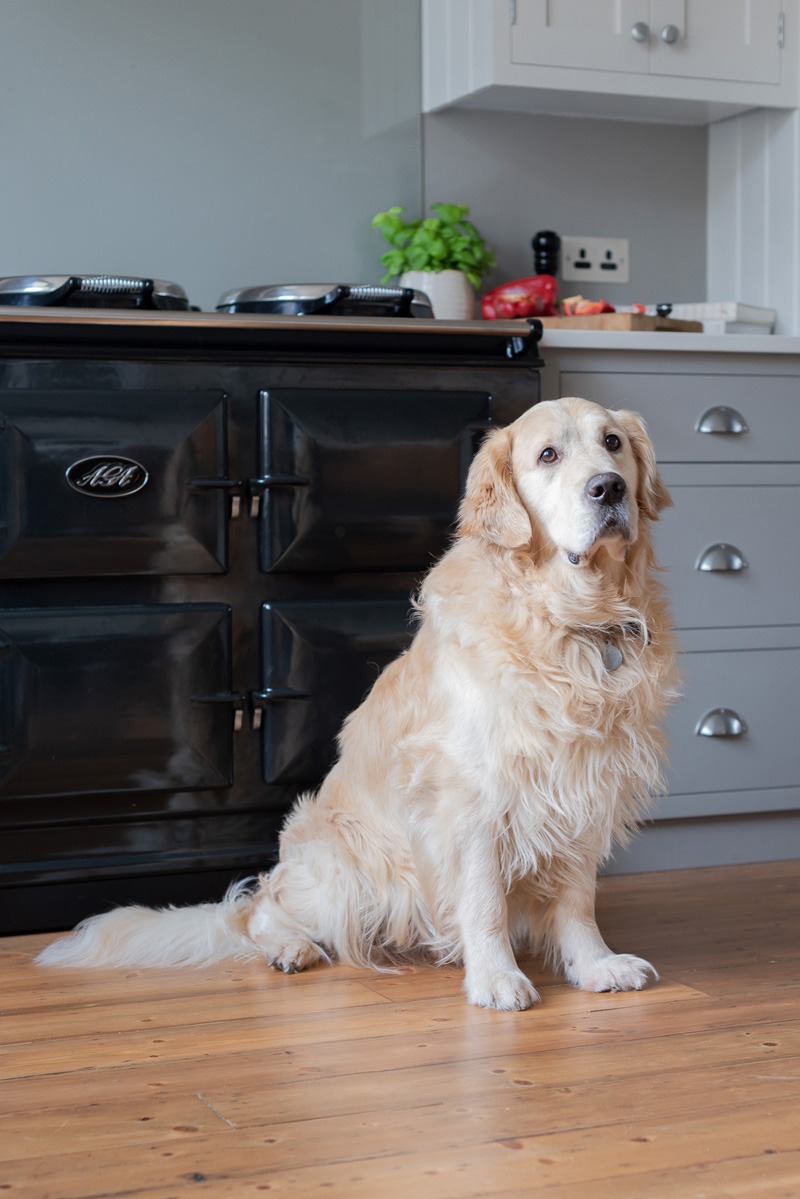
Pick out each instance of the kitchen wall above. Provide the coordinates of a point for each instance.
(225, 143)
(521, 173)
(211, 142)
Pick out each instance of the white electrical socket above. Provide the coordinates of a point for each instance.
(595, 259)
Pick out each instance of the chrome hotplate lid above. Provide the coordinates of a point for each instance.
(327, 299)
(92, 291)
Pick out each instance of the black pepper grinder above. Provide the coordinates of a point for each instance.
(546, 246)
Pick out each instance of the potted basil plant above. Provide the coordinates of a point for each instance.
(443, 256)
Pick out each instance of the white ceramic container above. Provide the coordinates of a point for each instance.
(451, 294)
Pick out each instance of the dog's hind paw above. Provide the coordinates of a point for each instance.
(618, 972)
(506, 990)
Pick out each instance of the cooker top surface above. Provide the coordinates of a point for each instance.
(92, 291)
(327, 299)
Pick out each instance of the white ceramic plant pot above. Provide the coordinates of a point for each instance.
(451, 294)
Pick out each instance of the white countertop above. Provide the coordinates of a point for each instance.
(704, 343)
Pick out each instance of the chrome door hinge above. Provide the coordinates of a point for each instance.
(512, 11)
(781, 30)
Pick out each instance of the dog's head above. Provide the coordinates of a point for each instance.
(569, 475)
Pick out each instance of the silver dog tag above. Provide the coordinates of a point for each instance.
(612, 657)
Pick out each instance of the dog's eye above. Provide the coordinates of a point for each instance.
(612, 442)
(548, 454)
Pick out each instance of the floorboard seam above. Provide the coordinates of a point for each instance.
(211, 1107)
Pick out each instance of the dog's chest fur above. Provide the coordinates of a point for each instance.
(553, 746)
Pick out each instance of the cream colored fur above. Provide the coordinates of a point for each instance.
(494, 764)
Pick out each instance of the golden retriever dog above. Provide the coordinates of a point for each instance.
(495, 763)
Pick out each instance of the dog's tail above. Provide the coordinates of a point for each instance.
(136, 936)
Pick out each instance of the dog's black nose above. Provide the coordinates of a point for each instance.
(606, 489)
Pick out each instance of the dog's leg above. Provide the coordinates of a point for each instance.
(575, 937)
(492, 977)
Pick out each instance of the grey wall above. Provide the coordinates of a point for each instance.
(227, 142)
(520, 173)
(210, 142)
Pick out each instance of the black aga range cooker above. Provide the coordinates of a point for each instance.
(210, 526)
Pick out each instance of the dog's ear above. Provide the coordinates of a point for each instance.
(652, 494)
(491, 507)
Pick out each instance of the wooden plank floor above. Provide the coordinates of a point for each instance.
(235, 1081)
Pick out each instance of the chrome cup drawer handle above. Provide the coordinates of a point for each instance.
(720, 722)
(721, 420)
(721, 557)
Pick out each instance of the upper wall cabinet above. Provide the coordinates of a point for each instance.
(683, 61)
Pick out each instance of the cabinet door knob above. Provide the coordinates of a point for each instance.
(721, 557)
(670, 34)
(721, 420)
(640, 32)
(720, 722)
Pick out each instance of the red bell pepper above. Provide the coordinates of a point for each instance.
(536, 295)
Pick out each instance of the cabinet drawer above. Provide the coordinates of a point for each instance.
(708, 525)
(762, 687)
(673, 407)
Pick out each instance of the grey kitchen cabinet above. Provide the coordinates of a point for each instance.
(742, 685)
(697, 39)
(726, 430)
(689, 61)
(728, 555)
(704, 418)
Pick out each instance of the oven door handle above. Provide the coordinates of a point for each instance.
(257, 487)
(259, 700)
(234, 487)
(236, 700)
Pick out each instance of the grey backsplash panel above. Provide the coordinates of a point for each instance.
(213, 144)
(520, 173)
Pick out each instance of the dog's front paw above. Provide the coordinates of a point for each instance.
(507, 990)
(618, 972)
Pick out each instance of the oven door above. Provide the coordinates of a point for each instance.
(102, 700)
(319, 660)
(362, 480)
(113, 483)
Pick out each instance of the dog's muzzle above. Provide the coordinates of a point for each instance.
(607, 496)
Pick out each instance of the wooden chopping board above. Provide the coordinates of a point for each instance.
(627, 322)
